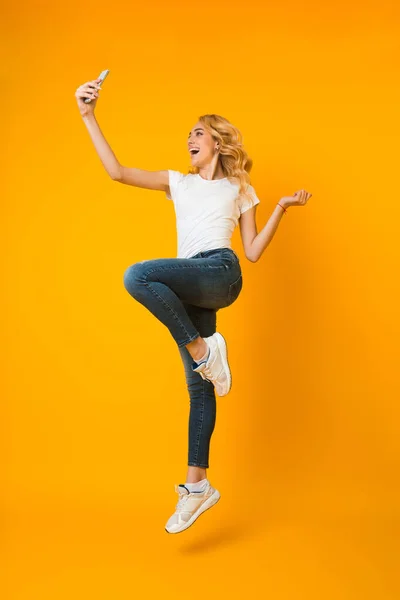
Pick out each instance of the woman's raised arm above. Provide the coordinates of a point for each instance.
(153, 180)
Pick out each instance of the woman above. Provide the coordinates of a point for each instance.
(186, 292)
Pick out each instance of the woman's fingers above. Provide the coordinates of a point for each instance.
(88, 95)
(82, 93)
(301, 196)
(92, 90)
(94, 85)
(89, 90)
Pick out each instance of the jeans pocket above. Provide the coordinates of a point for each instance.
(234, 289)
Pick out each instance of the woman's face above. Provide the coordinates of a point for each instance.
(200, 139)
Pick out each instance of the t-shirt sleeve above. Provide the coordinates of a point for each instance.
(175, 178)
(245, 203)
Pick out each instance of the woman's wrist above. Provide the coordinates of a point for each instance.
(283, 204)
(89, 117)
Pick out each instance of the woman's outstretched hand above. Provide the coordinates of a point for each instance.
(299, 198)
(87, 90)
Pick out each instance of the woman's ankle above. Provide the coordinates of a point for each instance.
(198, 348)
(195, 474)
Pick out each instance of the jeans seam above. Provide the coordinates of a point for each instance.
(166, 268)
(200, 428)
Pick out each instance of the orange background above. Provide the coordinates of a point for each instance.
(95, 408)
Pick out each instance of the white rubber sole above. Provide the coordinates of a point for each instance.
(224, 356)
(213, 499)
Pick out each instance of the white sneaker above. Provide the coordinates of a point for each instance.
(216, 368)
(190, 506)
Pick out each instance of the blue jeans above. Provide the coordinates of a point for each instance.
(185, 294)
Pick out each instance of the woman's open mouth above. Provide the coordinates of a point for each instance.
(194, 151)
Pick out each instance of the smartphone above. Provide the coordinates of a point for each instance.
(102, 77)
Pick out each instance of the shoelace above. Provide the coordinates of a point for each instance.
(207, 372)
(204, 377)
(201, 373)
(182, 501)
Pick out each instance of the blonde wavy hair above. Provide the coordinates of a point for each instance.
(235, 162)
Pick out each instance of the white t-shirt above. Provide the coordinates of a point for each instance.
(207, 211)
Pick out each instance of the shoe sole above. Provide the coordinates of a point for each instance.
(213, 499)
(224, 356)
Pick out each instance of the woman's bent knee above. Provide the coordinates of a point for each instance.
(132, 277)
